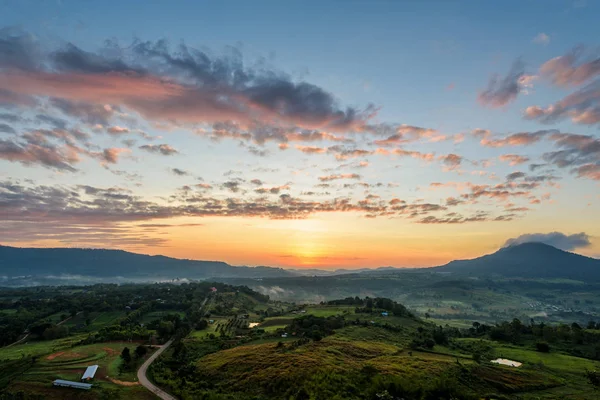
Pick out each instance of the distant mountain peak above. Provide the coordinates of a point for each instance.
(529, 260)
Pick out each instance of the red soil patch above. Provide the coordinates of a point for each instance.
(53, 356)
(63, 355)
(111, 352)
(123, 383)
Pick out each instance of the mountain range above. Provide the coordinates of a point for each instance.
(27, 266)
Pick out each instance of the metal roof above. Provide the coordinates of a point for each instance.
(77, 385)
(89, 372)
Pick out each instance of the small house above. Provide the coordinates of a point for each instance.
(89, 373)
(71, 384)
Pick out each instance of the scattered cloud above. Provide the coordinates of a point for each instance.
(502, 91)
(164, 149)
(541, 38)
(569, 70)
(513, 159)
(582, 107)
(179, 172)
(338, 176)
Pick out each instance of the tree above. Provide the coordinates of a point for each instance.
(141, 351)
(542, 347)
(593, 378)
(126, 355)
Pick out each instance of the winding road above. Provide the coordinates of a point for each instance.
(145, 382)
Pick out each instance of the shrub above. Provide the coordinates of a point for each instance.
(542, 347)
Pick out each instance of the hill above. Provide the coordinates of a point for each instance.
(48, 264)
(529, 260)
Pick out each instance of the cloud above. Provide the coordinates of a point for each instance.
(90, 113)
(515, 139)
(272, 190)
(502, 91)
(184, 85)
(233, 186)
(164, 149)
(513, 159)
(401, 134)
(581, 153)
(589, 171)
(117, 130)
(451, 161)
(311, 149)
(454, 218)
(569, 70)
(556, 239)
(338, 176)
(515, 175)
(48, 155)
(111, 155)
(57, 123)
(5, 128)
(582, 107)
(541, 38)
(179, 172)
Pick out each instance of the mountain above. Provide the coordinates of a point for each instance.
(118, 265)
(528, 260)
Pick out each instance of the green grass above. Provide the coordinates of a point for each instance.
(70, 363)
(37, 348)
(327, 311)
(456, 323)
(211, 328)
(553, 360)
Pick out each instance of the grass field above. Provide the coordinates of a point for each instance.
(70, 363)
(211, 328)
(553, 360)
(273, 323)
(37, 348)
(327, 311)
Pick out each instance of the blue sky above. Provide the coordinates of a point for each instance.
(420, 64)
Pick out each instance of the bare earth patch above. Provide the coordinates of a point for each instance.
(110, 351)
(123, 383)
(53, 356)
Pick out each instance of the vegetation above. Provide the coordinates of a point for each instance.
(239, 344)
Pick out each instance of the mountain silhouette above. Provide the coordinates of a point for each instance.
(101, 263)
(529, 260)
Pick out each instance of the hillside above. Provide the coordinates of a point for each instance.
(529, 260)
(51, 263)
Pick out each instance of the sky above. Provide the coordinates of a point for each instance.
(339, 134)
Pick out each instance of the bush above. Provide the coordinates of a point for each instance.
(542, 347)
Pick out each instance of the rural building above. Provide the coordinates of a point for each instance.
(384, 314)
(89, 373)
(71, 384)
(213, 289)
